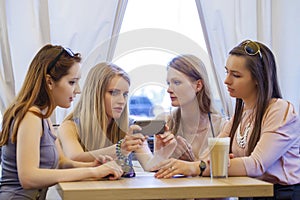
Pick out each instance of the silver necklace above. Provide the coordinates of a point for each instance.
(242, 139)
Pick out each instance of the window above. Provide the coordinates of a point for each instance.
(145, 58)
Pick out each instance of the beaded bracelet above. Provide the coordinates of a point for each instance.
(120, 156)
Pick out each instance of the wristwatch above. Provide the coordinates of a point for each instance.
(202, 167)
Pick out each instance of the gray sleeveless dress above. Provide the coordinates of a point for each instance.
(10, 187)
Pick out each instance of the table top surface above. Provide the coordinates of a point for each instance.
(145, 186)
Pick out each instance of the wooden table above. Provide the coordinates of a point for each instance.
(145, 186)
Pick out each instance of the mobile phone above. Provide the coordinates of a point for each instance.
(151, 127)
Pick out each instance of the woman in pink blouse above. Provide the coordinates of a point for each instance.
(265, 129)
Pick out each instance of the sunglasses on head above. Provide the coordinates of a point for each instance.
(252, 48)
(67, 50)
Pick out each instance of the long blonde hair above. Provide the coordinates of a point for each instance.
(94, 130)
(35, 91)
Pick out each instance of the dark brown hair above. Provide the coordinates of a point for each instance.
(263, 71)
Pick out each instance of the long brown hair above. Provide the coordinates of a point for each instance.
(263, 71)
(35, 91)
(194, 68)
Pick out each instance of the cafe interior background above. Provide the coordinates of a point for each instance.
(142, 36)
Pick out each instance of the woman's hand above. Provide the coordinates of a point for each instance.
(183, 150)
(110, 169)
(101, 160)
(165, 139)
(172, 167)
(165, 144)
(132, 142)
(231, 156)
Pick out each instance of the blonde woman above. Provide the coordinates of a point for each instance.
(99, 124)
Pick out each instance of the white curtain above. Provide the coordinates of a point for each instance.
(91, 27)
(273, 22)
(87, 27)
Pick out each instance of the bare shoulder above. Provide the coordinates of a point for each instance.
(31, 123)
(67, 124)
(31, 117)
(68, 129)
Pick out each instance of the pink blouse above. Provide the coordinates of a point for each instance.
(276, 157)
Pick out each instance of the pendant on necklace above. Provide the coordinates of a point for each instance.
(242, 139)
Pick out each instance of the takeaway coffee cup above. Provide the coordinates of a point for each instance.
(219, 150)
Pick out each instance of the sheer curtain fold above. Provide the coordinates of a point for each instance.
(19, 40)
(44, 21)
(84, 26)
(7, 86)
(95, 37)
(120, 11)
(92, 27)
(226, 23)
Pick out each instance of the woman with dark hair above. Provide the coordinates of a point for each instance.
(265, 129)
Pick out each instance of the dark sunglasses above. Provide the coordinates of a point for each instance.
(252, 48)
(67, 50)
